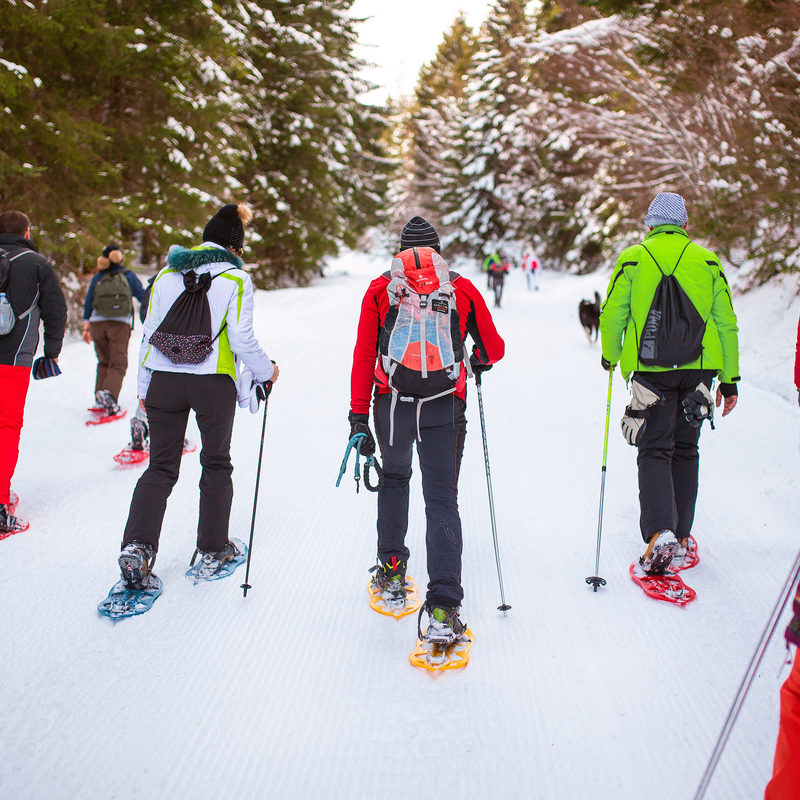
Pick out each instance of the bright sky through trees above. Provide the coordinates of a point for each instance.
(401, 37)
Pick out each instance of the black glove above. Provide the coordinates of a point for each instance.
(476, 363)
(606, 365)
(359, 423)
(699, 405)
(263, 390)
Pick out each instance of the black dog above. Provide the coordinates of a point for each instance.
(589, 314)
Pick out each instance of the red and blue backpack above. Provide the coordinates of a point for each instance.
(421, 349)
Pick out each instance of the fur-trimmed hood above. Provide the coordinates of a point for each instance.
(187, 258)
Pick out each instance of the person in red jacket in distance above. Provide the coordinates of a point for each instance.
(437, 424)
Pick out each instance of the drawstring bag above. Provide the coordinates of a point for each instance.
(184, 335)
(674, 330)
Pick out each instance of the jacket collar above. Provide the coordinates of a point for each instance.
(666, 229)
(15, 240)
(184, 259)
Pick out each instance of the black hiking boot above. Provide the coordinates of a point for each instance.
(105, 399)
(8, 522)
(444, 624)
(212, 563)
(390, 577)
(136, 563)
(139, 433)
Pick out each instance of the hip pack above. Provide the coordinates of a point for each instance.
(184, 335)
(674, 330)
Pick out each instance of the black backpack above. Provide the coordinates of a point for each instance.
(184, 335)
(673, 332)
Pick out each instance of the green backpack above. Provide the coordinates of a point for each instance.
(112, 296)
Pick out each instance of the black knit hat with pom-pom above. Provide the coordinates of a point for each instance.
(226, 227)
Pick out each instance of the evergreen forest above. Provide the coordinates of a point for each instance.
(550, 127)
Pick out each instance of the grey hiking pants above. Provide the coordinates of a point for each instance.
(442, 427)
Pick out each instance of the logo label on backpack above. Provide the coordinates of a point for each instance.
(440, 305)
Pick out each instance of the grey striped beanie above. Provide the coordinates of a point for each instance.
(418, 232)
(666, 209)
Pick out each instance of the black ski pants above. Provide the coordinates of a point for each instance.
(170, 398)
(668, 456)
(442, 428)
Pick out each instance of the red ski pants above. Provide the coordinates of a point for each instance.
(13, 391)
(785, 783)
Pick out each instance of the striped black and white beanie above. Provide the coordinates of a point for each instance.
(418, 232)
(666, 209)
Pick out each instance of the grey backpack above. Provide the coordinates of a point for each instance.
(7, 318)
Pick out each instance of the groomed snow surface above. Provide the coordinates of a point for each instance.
(300, 690)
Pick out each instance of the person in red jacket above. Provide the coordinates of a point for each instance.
(785, 783)
(437, 423)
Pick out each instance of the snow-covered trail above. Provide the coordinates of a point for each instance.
(300, 690)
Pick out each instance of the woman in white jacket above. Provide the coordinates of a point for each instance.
(168, 391)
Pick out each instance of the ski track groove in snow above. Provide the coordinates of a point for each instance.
(300, 690)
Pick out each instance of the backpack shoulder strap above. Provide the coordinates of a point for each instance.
(676, 263)
(654, 260)
(224, 324)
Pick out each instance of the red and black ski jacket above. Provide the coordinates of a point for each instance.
(473, 315)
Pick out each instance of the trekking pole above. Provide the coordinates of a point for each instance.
(504, 607)
(747, 681)
(246, 585)
(595, 580)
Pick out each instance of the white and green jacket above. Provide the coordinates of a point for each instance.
(230, 299)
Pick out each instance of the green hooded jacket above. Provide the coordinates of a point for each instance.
(632, 288)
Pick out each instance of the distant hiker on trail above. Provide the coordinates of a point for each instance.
(202, 292)
(490, 263)
(674, 335)
(30, 286)
(530, 266)
(420, 396)
(497, 267)
(108, 320)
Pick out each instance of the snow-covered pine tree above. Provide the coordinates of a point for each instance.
(109, 120)
(481, 209)
(311, 159)
(433, 146)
